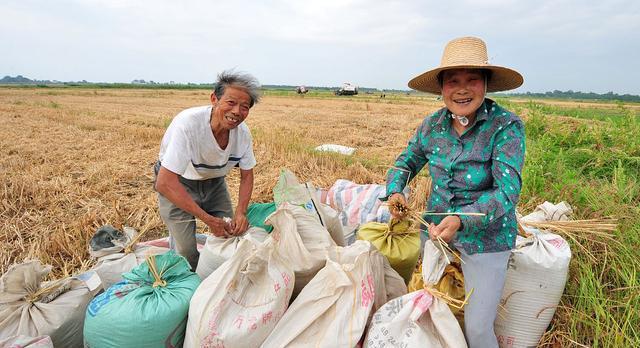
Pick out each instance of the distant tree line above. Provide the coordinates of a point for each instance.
(139, 83)
(578, 95)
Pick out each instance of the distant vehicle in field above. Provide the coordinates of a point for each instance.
(301, 90)
(347, 89)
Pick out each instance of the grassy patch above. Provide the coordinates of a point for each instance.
(594, 167)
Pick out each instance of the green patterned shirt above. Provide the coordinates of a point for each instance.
(478, 171)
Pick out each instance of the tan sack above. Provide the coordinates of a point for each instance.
(22, 341)
(217, 250)
(332, 310)
(31, 307)
(241, 302)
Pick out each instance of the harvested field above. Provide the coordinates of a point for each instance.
(72, 160)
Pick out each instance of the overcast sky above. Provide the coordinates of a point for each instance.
(556, 44)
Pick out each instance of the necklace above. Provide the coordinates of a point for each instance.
(462, 119)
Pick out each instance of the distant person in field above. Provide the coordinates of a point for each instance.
(474, 150)
(200, 147)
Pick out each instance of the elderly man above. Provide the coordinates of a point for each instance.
(199, 148)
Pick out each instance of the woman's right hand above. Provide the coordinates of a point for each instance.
(394, 199)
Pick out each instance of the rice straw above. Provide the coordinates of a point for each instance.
(453, 302)
(446, 246)
(153, 268)
(574, 229)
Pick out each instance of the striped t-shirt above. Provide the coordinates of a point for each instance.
(189, 149)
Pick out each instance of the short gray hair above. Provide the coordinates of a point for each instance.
(246, 82)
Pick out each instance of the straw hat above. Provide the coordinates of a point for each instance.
(471, 53)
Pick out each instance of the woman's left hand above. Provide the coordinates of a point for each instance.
(446, 229)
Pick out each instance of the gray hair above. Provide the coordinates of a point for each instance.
(246, 82)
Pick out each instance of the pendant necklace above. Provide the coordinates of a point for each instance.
(462, 119)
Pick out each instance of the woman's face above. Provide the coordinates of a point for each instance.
(463, 90)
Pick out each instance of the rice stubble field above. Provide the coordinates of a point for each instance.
(74, 159)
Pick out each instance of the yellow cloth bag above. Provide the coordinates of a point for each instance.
(394, 240)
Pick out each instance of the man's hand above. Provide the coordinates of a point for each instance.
(397, 199)
(240, 224)
(218, 226)
(446, 229)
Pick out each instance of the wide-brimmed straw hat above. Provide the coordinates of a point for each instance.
(467, 53)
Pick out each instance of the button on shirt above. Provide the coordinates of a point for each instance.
(476, 172)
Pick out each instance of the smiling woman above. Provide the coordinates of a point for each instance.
(474, 150)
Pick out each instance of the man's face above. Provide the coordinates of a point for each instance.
(232, 108)
(463, 91)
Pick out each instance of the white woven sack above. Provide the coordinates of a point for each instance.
(415, 320)
(289, 190)
(26, 309)
(418, 319)
(388, 283)
(240, 303)
(316, 242)
(331, 221)
(332, 310)
(535, 281)
(217, 250)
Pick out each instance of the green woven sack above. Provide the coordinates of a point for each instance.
(147, 309)
(258, 212)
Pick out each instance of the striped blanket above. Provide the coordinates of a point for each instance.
(357, 203)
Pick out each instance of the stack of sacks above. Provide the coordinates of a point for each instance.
(333, 309)
(241, 302)
(396, 241)
(535, 280)
(116, 253)
(147, 309)
(33, 308)
(289, 190)
(418, 319)
(217, 250)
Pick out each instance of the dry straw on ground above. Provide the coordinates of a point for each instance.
(75, 159)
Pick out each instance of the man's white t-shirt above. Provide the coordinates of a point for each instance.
(189, 149)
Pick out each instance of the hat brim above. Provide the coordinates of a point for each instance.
(502, 79)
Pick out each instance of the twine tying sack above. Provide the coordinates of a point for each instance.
(157, 276)
(453, 302)
(399, 228)
(49, 293)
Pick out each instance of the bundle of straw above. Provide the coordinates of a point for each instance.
(593, 230)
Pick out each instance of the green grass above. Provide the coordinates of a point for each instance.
(595, 166)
